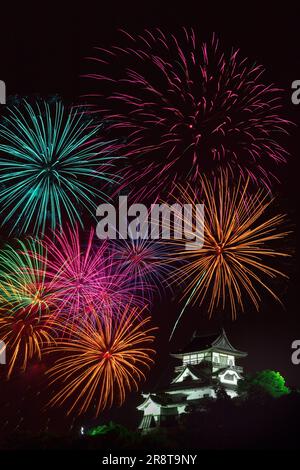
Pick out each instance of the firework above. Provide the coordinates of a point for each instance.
(49, 158)
(26, 302)
(237, 250)
(146, 262)
(25, 333)
(189, 107)
(85, 277)
(23, 285)
(102, 361)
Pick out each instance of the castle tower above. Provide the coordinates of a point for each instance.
(207, 363)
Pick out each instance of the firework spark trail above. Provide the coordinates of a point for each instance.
(85, 278)
(48, 159)
(25, 334)
(23, 282)
(188, 106)
(26, 301)
(237, 250)
(102, 361)
(144, 259)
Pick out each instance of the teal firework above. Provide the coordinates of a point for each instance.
(54, 166)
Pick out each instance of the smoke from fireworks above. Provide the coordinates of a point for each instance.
(187, 106)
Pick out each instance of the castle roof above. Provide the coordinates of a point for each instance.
(217, 342)
(162, 399)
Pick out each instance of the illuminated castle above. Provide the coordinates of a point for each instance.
(207, 363)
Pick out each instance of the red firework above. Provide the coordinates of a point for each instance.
(188, 106)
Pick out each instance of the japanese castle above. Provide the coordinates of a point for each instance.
(207, 363)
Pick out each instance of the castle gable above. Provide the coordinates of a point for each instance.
(187, 372)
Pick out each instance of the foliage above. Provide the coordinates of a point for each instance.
(266, 381)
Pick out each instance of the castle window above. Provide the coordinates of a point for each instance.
(229, 377)
(223, 360)
(193, 358)
(186, 359)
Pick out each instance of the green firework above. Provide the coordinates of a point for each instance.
(23, 285)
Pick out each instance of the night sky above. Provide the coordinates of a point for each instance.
(43, 53)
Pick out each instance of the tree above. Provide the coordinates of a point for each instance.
(110, 428)
(266, 382)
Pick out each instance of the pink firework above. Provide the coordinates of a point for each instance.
(189, 107)
(145, 261)
(85, 277)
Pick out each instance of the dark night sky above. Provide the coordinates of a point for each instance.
(42, 52)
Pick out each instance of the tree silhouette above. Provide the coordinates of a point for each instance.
(265, 382)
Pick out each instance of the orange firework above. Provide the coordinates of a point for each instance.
(102, 360)
(238, 237)
(24, 333)
(26, 300)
